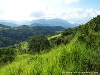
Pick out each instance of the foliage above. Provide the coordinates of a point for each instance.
(80, 54)
(68, 31)
(14, 35)
(38, 43)
(73, 57)
(7, 54)
(64, 38)
(22, 47)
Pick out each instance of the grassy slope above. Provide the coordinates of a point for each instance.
(35, 64)
(73, 57)
(64, 58)
(55, 36)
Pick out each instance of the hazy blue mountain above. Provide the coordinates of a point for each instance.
(39, 22)
(4, 26)
(50, 22)
(8, 23)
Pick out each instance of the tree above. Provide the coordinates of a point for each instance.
(7, 54)
(38, 43)
(68, 31)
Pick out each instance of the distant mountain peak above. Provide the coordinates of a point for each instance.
(8, 23)
(51, 22)
(39, 22)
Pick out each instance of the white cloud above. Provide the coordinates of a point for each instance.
(38, 14)
(19, 9)
(57, 1)
(33, 9)
(66, 1)
(70, 1)
(79, 15)
(51, 13)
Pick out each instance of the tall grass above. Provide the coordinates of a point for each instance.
(73, 57)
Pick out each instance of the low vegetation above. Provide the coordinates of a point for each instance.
(74, 50)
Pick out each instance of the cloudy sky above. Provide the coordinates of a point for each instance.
(74, 11)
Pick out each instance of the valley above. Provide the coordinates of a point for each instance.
(75, 49)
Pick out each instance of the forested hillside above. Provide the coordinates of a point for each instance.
(74, 51)
(13, 35)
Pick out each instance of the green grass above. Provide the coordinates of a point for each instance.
(44, 64)
(73, 57)
(55, 36)
(81, 54)
(33, 64)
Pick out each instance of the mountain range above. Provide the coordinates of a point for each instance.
(39, 22)
(50, 22)
(8, 23)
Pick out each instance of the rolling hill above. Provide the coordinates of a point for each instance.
(80, 55)
(12, 35)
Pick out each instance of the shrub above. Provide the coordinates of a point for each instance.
(7, 54)
(38, 43)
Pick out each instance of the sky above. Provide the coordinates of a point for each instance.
(73, 11)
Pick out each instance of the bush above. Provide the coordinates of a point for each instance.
(38, 43)
(7, 54)
(61, 40)
(69, 31)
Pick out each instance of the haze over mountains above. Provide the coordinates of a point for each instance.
(8, 22)
(51, 22)
(39, 22)
(17, 31)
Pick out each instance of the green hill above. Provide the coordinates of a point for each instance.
(73, 52)
(14, 35)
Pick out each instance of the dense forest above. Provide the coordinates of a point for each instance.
(73, 50)
(13, 35)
